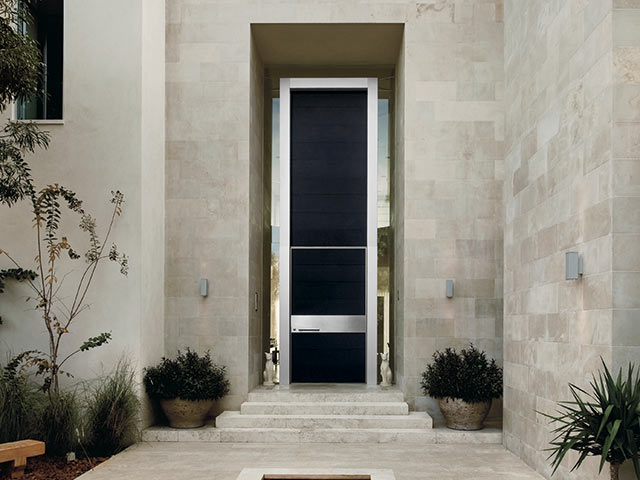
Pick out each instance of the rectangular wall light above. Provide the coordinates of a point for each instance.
(204, 287)
(449, 289)
(574, 269)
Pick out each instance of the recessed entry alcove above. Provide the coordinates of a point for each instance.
(336, 61)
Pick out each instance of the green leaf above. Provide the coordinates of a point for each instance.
(608, 441)
(94, 342)
(607, 412)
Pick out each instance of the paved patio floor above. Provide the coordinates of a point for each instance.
(220, 461)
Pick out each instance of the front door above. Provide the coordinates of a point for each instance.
(329, 243)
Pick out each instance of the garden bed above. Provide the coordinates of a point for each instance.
(54, 468)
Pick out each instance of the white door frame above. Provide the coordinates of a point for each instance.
(370, 85)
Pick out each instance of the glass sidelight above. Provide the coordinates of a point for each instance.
(328, 145)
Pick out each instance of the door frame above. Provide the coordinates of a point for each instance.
(370, 85)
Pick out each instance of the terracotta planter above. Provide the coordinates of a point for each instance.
(461, 415)
(186, 413)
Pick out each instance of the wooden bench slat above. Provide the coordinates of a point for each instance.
(13, 451)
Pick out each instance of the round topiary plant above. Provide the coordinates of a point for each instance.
(186, 387)
(465, 383)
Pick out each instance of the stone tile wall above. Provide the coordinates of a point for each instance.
(569, 138)
(258, 263)
(452, 184)
(626, 182)
(208, 187)
(449, 133)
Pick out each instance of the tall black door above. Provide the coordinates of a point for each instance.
(328, 235)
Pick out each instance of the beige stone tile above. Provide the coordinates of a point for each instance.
(626, 65)
(597, 292)
(626, 252)
(627, 27)
(626, 327)
(626, 215)
(625, 290)
(597, 221)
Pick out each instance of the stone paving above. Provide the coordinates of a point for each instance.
(215, 461)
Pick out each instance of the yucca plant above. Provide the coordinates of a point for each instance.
(605, 422)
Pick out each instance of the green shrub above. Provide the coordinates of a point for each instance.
(467, 375)
(189, 377)
(112, 412)
(20, 402)
(59, 423)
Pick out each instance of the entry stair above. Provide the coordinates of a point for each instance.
(326, 414)
(315, 413)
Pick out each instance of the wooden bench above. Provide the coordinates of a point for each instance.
(18, 452)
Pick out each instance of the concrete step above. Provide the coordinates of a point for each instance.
(210, 433)
(414, 420)
(323, 395)
(327, 408)
(330, 435)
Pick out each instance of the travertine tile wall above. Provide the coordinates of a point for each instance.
(449, 133)
(626, 182)
(397, 217)
(258, 295)
(563, 191)
(452, 183)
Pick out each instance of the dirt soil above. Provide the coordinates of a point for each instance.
(53, 468)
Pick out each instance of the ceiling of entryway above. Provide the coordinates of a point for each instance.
(328, 43)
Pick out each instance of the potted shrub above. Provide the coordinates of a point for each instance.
(186, 387)
(605, 423)
(464, 383)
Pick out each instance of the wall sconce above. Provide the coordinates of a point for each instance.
(204, 287)
(449, 289)
(574, 267)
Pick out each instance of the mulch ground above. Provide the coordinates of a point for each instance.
(53, 468)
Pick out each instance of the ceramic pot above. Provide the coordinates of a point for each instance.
(186, 413)
(461, 415)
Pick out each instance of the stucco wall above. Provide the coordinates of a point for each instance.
(152, 174)
(112, 139)
(569, 186)
(449, 164)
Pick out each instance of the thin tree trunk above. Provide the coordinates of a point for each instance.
(614, 470)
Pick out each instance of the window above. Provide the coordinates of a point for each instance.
(46, 28)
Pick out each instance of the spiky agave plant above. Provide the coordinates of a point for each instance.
(605, 422)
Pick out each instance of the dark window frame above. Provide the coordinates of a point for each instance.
(48, 27)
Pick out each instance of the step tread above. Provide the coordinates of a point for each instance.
(324, 408)
(320, 416)
(336, 404)
(264, 396)
(328, 430)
